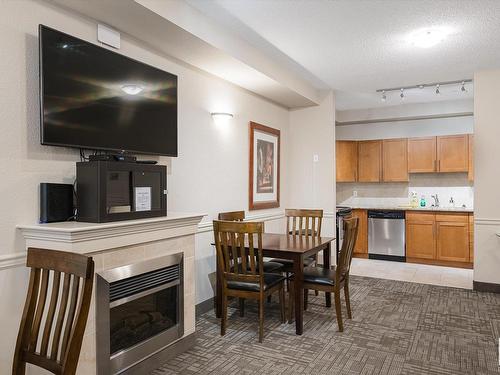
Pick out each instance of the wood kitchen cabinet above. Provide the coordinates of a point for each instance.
(422, 156)
(452, 231)
(395, 160)
(361, 245)
(420, 235)
(471, 237)
(470, 175)
(346, 159)
(370, 161)
(452, 153)
(438, 238)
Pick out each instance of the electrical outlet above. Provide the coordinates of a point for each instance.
(315, 158)
(355, 193)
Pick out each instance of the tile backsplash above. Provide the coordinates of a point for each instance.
(445, 185)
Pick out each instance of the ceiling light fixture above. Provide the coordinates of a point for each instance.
(132, 89)
(428, 37)
(435, 85)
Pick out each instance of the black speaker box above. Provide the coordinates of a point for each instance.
(56, 202)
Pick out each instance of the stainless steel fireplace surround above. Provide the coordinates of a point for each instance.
(139, 311)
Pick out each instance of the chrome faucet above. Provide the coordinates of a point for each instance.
(436, 200)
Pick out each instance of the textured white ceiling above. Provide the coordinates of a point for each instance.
(359, 46)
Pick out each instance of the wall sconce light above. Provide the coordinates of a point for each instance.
(221, 117)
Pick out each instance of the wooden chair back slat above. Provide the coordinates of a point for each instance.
(42, 297)
(251, 253)
(60, 317)
(71, 312)
(232, 216)
(240, 252)
(56, 281)
(303, 222)
(74, 303)
(345, 256)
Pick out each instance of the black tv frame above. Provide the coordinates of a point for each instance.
(86, 147)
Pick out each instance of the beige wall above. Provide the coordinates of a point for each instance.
(312, 184)
(210, 174)
(487, 180)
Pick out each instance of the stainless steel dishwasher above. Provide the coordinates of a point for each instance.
(386, 235)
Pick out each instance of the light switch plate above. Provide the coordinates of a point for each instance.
(315, 158)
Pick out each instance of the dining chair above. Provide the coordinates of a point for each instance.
(336, 278)
(55, 347)
(269, 266)
(239, 254)
(301, 222)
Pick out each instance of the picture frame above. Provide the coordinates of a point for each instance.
(264, 167)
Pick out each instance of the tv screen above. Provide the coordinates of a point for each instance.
(97, 99)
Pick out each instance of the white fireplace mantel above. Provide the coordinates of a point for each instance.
(122, 243)
(87, 238)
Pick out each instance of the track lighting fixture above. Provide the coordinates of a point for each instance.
(435, 85)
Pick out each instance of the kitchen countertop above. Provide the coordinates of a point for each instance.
(409, 208)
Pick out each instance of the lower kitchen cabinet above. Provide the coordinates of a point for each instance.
(452, 237)
(420, 236)
(361, 245)
(441, 238)
(471, 237)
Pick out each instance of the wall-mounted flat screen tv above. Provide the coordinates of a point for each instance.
(93, 98)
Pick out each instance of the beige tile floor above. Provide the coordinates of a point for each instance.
(418, 273)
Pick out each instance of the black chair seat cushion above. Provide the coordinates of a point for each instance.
(272, 266)
(319, 275)
(287, 263)
(270, 280)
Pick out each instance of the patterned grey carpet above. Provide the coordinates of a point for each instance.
(397, 328)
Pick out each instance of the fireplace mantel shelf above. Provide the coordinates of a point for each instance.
(90, 237)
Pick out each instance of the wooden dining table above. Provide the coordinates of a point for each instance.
(295, 248)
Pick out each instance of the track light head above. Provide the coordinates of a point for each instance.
(463, 89)
(437, 89)
(402, 95)
(384, 97)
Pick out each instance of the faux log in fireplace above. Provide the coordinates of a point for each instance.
(139, 311)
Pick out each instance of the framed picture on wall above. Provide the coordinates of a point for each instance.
(264, 160)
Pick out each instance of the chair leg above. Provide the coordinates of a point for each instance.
(306, 299)
(269, 298)
(347, 300)
(242, 306)
(282, 303)
(291, 307)
(316, 293)
(338, 310)
(223, 321)
(261, 319)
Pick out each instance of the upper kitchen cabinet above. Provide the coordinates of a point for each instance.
(422, 155)
(471, 157)
(452, 153)
(370, 161)
(346, 156)
(395, 160)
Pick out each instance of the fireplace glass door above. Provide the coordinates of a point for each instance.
(138, 320)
